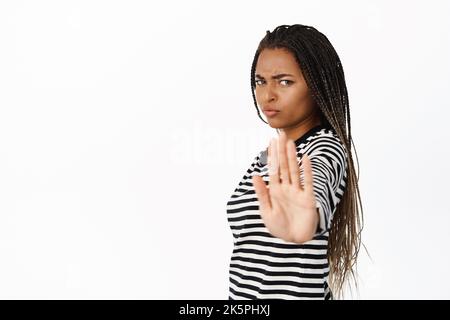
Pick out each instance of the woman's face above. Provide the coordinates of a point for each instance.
(280, 86)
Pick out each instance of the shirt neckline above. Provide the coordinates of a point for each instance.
(262, 158)
(308, 133)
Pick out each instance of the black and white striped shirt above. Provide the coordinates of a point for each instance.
(265, 267)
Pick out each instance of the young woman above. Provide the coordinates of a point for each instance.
(296, 213)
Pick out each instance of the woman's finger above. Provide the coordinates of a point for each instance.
(307, 173)
(262, 193)
(283, 159)
(294, 169)
(274, 178)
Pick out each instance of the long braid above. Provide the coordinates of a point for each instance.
(324, 75)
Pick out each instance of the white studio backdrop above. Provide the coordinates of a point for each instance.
(126, 125)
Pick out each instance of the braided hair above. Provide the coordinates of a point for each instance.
(324, 75)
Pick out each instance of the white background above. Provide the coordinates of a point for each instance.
(126, 125)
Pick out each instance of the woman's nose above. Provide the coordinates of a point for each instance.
(269, 93)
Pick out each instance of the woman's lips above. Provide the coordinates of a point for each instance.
(271, 113)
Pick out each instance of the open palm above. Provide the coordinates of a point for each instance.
(287, 207)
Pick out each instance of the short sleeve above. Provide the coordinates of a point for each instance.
(329, 166)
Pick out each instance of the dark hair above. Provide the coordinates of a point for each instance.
(324, 75)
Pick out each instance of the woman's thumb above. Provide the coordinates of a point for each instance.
(262, 192)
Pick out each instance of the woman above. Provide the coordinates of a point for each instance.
(296, 214)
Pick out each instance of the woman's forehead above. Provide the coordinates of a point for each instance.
(276, 61)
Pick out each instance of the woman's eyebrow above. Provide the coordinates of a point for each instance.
(277, 76)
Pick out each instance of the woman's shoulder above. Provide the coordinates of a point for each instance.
(320, 139)
(324, 142)
(324, 135)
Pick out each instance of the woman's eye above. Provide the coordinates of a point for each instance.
(287, 81)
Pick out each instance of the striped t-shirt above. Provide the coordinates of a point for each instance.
(265, 267)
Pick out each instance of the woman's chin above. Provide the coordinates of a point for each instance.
(274, 124)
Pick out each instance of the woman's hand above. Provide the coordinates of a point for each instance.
(287, 208)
